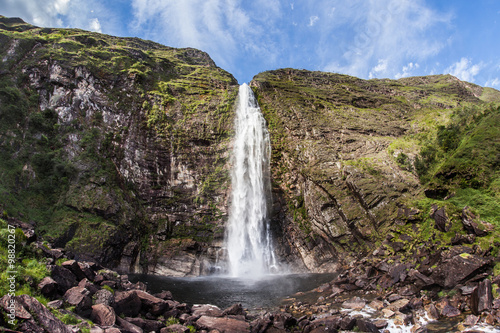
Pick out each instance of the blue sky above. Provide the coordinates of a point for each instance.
(364, 38)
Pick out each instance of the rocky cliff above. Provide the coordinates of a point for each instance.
(116, 147)
(119, 150)
(355, 160)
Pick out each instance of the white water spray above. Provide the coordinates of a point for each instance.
(248, 240)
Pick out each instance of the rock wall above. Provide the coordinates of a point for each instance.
(117, 148)
(340, 179)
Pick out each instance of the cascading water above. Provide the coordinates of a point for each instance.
(248, 239)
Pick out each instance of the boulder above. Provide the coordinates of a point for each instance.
(48, 287)
(458, 269)
(64, 277)
(79, 298)
(42, 318)
(469, 224)
(440, 219)
(126, 327)
(260, 325)
(223, 325)
(103, 315)
(176, 328)
(450, 311)
(154, 305)
(127, 303)
(366, 326)
(105, 297)
(85, 283)
(165, 295)
(235, 309)
(355, 303)
(482, 297)
(147, 325)
(284, 320)
(74, 267)
(347, 323)
(206, 310)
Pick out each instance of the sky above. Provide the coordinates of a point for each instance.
(363, 38)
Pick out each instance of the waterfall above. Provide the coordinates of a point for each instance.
(248, 239)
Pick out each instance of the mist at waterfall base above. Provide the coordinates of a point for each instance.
(224, 291)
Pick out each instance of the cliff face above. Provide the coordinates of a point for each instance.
(116, 147)
(349, 157)
(119, 150)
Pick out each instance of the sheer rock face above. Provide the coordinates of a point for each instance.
(338, 182)
(129, 143)
(127, 139)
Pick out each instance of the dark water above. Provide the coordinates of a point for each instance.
(224, 291)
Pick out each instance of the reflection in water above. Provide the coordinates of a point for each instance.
(265, 292)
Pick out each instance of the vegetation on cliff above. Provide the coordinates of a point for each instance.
(112, 142)
(356, 159)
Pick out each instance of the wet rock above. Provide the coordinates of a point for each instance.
(376, 304)
(432, 311)
(399, 305)
(328, 323)
(235, 309)
(388, 313)
(366, 326)
(284, 320)
(165, 295)
(103, 315)
(355, 303)
(347, 323)
(260, 325)
(450, 311)
(79, 298)
(48, 287)
(105, 297)
(482, 297)
(471, 320)
(222, 324)
(380, 323)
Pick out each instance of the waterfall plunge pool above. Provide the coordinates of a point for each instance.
(266, 292)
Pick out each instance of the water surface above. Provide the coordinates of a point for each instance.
(265, 292)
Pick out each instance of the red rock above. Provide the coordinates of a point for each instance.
(482, 297)
(78, 297)
(224, 325)
(103, 315)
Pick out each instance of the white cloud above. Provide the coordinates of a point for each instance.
(493, 83)
(228, 30)
(464, 69)
(83, 14)
(312, 20)
(379, 69)
(407, 70)
(399, 31)
(95, 25)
